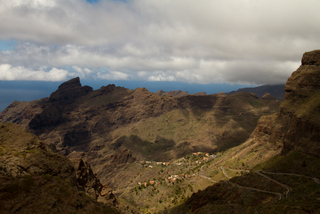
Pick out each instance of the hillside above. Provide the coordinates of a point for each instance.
(113, 126)
(34, 179)
(289, 181)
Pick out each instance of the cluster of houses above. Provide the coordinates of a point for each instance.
(173, 178)
(200, 153)
(146, 183)
(206, 157)
(205, 154)
(158, 163)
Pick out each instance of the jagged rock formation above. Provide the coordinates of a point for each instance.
(297, 124)
(34, 179)
(89, 183)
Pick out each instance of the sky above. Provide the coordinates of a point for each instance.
(195, 43)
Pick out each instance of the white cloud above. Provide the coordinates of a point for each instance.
(113, 75)
(161, 76)
(231, 41)
(7, 72)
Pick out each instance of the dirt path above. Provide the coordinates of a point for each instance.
(224, 172)
(259, 172)
(277, 182)
(258, 190)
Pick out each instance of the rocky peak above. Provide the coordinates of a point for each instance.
(69, 91)
(311, 58)
(297, 124)
(75, 82)
(107, 89)
(267, 96)
(160, 92)
(63, 98)
(306, 79)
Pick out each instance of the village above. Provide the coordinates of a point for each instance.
(193, 159)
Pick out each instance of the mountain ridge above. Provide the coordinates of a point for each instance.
(276, 91)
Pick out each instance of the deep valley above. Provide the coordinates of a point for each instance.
(133, 151)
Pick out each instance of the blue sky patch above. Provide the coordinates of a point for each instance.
(6, 45)
(92, 1)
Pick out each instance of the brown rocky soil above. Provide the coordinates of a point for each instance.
(34, 179)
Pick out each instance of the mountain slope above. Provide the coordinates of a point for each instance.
(33, 179)
(287, 183)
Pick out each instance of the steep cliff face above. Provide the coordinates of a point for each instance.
(88, 182)
(297, 124)
(302, 106)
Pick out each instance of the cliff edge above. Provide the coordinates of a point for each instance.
(297, 124)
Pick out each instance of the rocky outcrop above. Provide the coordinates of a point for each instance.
(89, 183)
(297, 124)
(302, 106)
(68, 92)
(32, 175)
(59, 101)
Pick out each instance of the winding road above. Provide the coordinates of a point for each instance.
(258, 190)
(260, 172)
(277, 182)
(224, 172)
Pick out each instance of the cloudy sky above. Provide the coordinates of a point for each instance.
(249, 42)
